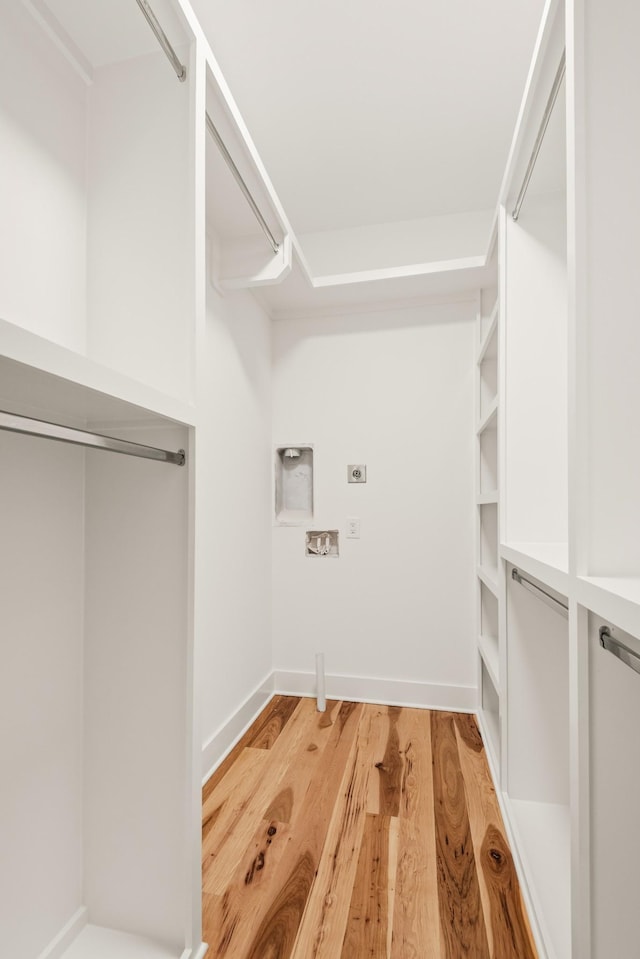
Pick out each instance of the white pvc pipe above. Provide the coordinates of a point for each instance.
(320, 693)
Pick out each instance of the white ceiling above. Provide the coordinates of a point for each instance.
(370, 112)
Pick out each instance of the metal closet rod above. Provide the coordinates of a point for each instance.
(14, 423)
(275, 246)
(553, 96)
(172, 56)
(537, 590)
(181, 73)
(628, 656)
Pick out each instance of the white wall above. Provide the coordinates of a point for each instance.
(41, 589)
(140, 266)
(536, 357)
(136, 689)
(42, 183)
(394, 391)
(233, 546)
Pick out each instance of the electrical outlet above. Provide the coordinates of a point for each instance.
(353, 527)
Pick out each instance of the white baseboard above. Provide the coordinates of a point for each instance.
(227, 735)
(359, 689)
(67, 934)
(197, 953)
(386, 692)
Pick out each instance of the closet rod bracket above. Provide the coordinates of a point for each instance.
(626, 655)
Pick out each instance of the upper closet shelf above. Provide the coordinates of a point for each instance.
(616, 598)
(547, 562)
(40, 378)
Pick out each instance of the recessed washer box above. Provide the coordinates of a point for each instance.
(293, 485)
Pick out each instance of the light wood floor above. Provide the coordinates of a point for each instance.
(366, 832)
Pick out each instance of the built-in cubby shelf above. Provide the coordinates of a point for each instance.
(489, 577)
(487, 525)
(488, 419)
(489, 343)
(488, 647)
(490, 712)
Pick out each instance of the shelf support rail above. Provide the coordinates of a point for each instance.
(553, 96)
(228, 159)
(172, 56)
(541, 593)
(14, 423)
(628, 656)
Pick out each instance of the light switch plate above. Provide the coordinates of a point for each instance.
(357, 473)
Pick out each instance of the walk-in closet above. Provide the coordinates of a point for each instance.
(318, 381)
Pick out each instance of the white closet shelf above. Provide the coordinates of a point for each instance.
(488, 649)
(55, 378)
(547, 562)
(616, 598)
(490, 419)
(488, 347)
(489, 577)
(490, 731)
(98, 942)
(543, 836)
(488, 498)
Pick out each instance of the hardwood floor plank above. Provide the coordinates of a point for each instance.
(300, 861)
(289, 767)
(324, 922)
(507, 924)
(274, 717)
(371, 911)
(273, 721)
(461, 915)
(236, 787)
(416, 915)
(245, 919)
(389, 767)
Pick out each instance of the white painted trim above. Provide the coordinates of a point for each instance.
(196, 953)
(61, 942)
(400, 272)
(370, 306)
(227, 735)
(386, 692)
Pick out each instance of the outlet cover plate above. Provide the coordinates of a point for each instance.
(357, 473)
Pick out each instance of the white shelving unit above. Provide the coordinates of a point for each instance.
(487, 508)
(563, 468)
(107, 183)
